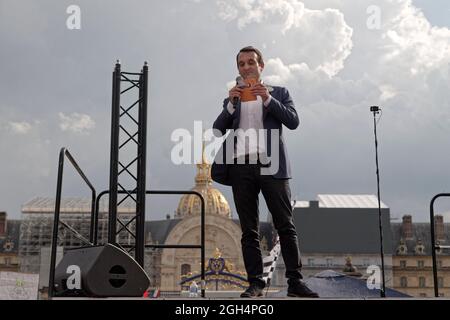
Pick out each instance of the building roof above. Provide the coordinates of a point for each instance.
(73, 205)
(342, 230)
(299, 204)
(10, 242)
(420, 231)
(160, 229)
(342, 201)
(349, 201)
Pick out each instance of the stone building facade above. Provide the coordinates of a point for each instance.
(412, 260)
(9, 243)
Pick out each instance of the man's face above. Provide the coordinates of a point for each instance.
(248, 65)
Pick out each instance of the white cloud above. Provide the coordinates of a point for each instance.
(314, 86)
(19, 127)
(320, 38)
(404, 67)
(76, 122)
(412, 37)
(387, 92)
(405, 59)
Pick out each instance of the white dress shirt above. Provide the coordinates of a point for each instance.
(251, 118)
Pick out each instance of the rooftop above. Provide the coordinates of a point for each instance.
(73, 205)
(342, 201)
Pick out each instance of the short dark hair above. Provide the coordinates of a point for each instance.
(251, 49)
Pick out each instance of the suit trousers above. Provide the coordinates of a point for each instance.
(247, 182)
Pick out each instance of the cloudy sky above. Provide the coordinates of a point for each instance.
(336, 57)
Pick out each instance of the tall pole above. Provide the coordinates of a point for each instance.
(376, 110)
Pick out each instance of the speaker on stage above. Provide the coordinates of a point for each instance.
(99, 271)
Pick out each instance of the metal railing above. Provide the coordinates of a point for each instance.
(201, 246)
(435, 247)
(62, 155)
(95, 208)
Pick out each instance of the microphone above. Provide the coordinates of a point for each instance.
(241, 84)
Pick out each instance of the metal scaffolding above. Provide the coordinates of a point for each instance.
(133, 135)
(74, 228)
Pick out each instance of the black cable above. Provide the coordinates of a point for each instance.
(379, 118)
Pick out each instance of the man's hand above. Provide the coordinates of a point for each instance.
(234, 93)
(260, 90)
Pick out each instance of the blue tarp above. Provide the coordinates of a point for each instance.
(332, 284)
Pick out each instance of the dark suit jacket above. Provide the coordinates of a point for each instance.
(280, 111)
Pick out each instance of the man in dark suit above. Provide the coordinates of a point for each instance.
(253, 169)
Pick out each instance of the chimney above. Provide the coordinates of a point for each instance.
(407, 232)
(2, 224)
(439, 227)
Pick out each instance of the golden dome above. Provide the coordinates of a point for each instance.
(215, 202)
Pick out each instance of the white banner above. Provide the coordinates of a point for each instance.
(18, 286)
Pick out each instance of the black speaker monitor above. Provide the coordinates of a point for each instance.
(100, 271)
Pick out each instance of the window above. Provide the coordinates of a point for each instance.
(420, 263)
(403, 282)
(185, 269)
(423, 295)
(402, 263)
(329, 262)
(420, 249)
(440, 282)
(2, 228)
(421, 282)
(440, 263)
(310, 262)
(366, 262)
(402, 249)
